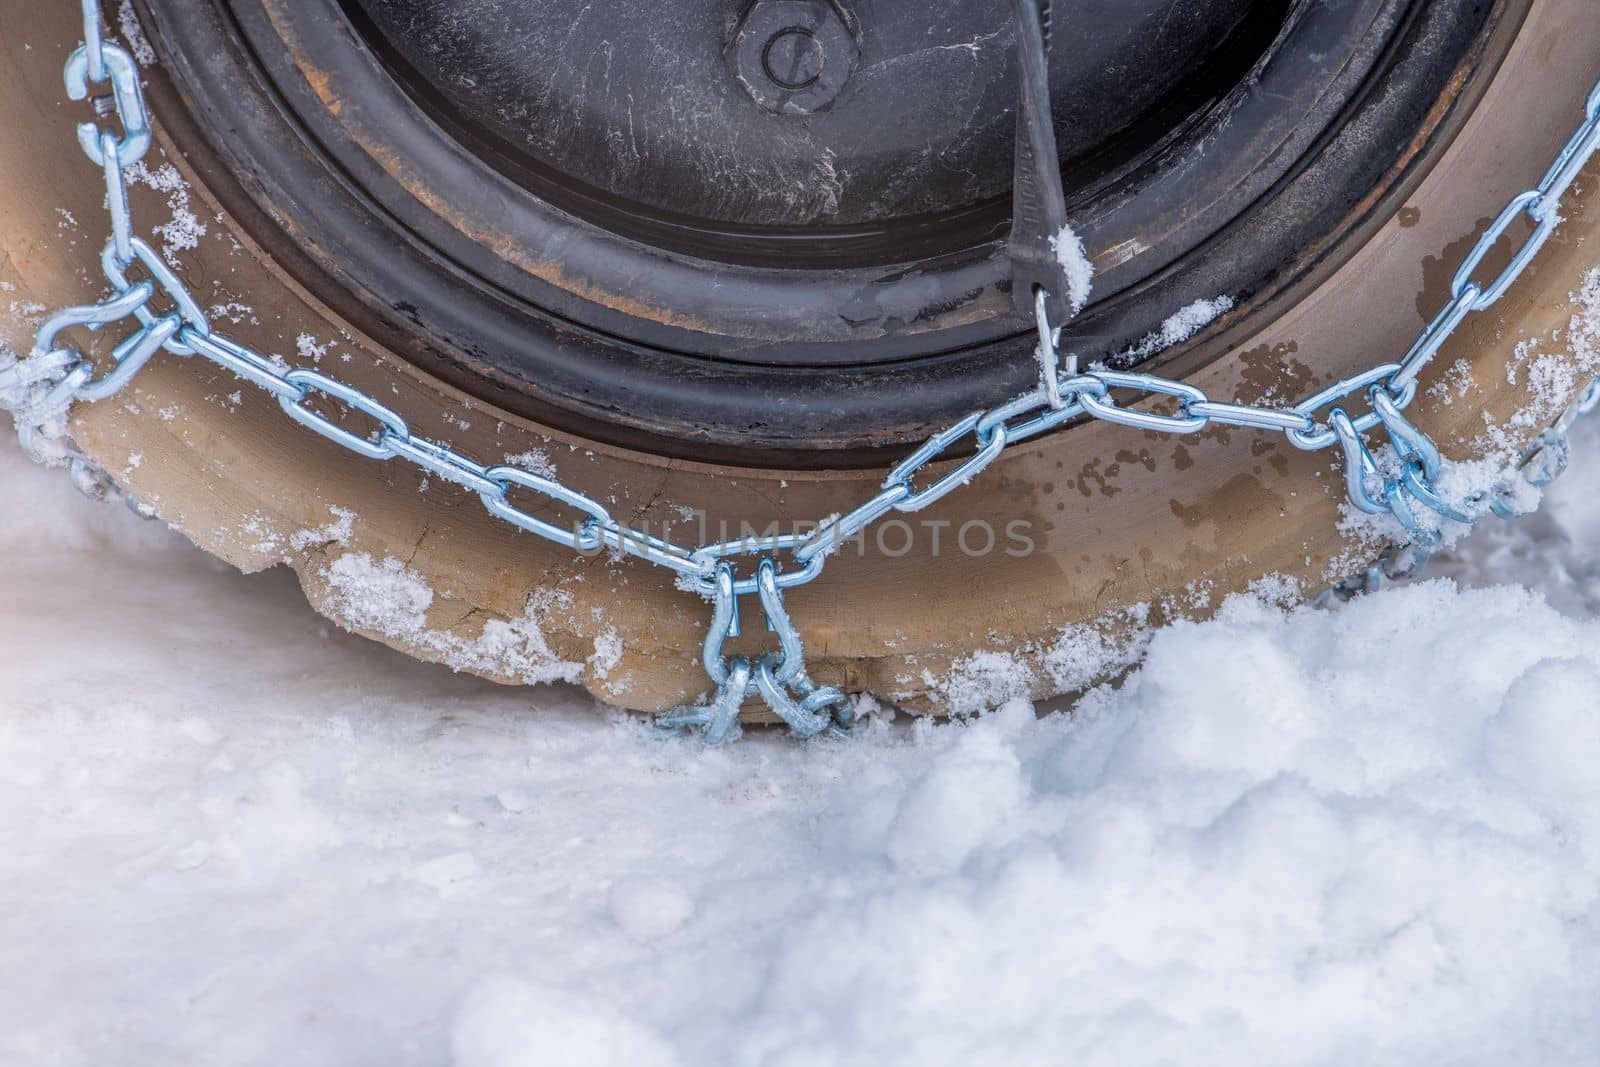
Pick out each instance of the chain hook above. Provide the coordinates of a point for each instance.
(779, 677)
(724, 623)
(125, 94)
(1409, 442)
(1359, 466)
(1049, 351)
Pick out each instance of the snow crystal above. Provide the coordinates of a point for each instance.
(234, 311)
(184, 230)
(1276, 589)
(308, 348)
(1079, 655)
(1453, 384)
(516, 648)
(133, 34)
(982, 679)
(1191, 320)
(1583, 333)
(390, 599)
(1181, 326)
(1068, 247)
(382, 597)
(607, 652)
(336, 532)
(534, 461)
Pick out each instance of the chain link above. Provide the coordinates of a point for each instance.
(41, 388)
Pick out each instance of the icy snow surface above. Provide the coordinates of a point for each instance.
(232, 834)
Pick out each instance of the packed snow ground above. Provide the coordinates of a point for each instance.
(232, 834)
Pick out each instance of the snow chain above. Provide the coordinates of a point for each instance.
(42, 388)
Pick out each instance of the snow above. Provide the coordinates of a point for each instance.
(383, 597)
(184, 229)
(649, 909)
(535, 461)
(235, 834)
(1180, 326)
(1076, 656)
(390, 599)
(336, 532)
(133, 34)
(508, 1022)
(1069, 250)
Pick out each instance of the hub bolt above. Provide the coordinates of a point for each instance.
(793, 56)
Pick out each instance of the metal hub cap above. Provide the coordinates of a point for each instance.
(793, 56)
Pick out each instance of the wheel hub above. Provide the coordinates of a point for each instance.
(797, 130)
(776, 230)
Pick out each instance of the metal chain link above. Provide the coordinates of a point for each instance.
(41, 389)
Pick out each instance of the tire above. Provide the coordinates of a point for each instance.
(1098, 530)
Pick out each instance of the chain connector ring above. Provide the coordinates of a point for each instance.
(126, 94)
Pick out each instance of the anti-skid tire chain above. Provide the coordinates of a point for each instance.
(41, 389)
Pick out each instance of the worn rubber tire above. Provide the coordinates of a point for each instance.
(1129, 528)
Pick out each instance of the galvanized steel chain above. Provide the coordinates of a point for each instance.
(41, 388)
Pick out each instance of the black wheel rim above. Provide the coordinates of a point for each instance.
(779, 340)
